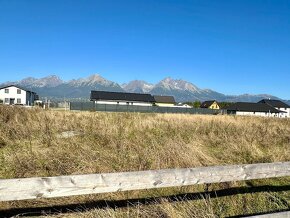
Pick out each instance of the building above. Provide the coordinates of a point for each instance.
(14, 94)
(164, 101)
(210, 105)
(254, 109)
(183, 105)
(122, 98)
(280, 105)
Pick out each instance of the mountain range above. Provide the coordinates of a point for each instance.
(54, 88)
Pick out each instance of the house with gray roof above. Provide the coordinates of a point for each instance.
(16, 95)
(279, 105)
(210, 105)
(254, 109)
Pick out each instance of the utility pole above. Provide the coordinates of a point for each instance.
(64, 102)
(45, 104)
(30, 96)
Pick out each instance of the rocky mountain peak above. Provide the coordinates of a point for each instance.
(53, 87)
(138, 86)
(92, 80)
(178, 84)
(49, 81)
(96, 78)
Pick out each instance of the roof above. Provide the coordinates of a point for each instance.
(17, 86)
(164, 99)
(253, 107)
(275, 103)
(207, 104)
(121, 96)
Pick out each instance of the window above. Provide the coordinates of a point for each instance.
(6, 100)
(18, 91)
(6, 90)
(18, 100)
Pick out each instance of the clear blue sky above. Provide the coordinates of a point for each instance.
(231, 46)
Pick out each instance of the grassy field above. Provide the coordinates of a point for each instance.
(31, 145)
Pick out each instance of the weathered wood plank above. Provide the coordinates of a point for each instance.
(49, 187)
(273, 215)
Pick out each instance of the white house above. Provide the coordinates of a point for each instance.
(122, 98)
(164, 101)
(280, 105)
(254, 109)
(183, 105)
(14, 94)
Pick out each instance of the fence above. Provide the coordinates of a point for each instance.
(61, 186)
(92, 106)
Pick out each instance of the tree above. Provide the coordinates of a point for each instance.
(197, 104)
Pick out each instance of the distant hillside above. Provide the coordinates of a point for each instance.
(53, 87)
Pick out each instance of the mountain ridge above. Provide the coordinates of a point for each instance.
(53, 87)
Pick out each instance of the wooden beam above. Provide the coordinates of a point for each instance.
(273, 215)
(50, 187)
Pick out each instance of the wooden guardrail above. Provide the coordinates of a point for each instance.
(61, 186)
(273, 215)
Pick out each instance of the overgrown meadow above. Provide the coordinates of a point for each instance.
(32, 143)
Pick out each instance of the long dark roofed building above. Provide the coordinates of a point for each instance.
(280, 105)
(275, 103)
(104, 97)
(258, 109)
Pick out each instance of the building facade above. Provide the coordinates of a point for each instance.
(14, 95)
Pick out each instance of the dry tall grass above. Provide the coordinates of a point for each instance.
(110, 142)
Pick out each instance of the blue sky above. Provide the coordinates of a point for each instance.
(231, 46)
